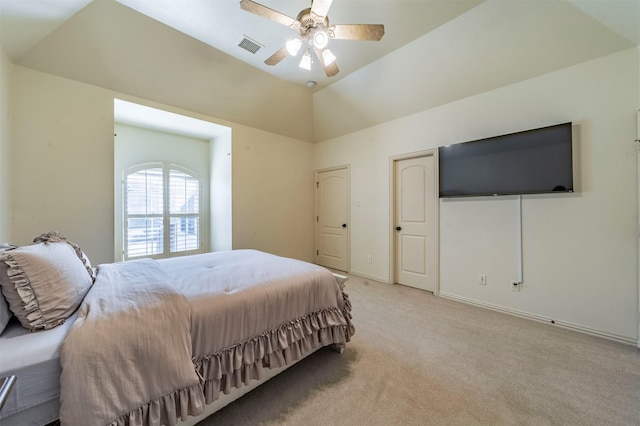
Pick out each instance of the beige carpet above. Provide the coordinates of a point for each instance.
(417, 359)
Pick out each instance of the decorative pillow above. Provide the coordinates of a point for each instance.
(5, 312)
(45, 283)
(56, 237)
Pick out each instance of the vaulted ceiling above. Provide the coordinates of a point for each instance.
(185, 53)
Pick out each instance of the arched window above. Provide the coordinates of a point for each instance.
(161, 211)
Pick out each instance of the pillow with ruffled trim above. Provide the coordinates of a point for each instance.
(56, 237)
(5, 312)
(45, 282)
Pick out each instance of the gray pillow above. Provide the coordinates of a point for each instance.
(57, 237)
(44, 283)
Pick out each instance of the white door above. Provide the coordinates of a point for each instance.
(638, 188)
(414, 222)
(332, 211)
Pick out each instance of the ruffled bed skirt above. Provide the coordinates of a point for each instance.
(166, 409)
(235, 366)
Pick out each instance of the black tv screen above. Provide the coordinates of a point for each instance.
(530, 162)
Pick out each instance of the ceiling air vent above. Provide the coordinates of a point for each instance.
(250, 45)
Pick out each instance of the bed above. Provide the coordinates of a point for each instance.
(167, 341)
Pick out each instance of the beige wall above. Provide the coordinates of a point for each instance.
(153, 61)
(580, 250)
(272, 179)
(63, 148)
(63, 161)
(5, 147)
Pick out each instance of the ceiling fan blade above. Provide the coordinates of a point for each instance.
(373, 32)
(320, 8)
(277, 57)
(331, 69)
(265, 12)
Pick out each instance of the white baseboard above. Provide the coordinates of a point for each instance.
(540, 318)
(371, 277)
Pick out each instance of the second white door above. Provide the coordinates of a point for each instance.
(332, 211)
(414, 222)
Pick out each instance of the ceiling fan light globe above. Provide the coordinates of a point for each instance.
(293, 46)
(305, 62)
(320, 39)
(328, 57)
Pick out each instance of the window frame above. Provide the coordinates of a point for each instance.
(166, 214)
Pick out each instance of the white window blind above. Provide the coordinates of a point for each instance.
(162, 211)
(184, 210)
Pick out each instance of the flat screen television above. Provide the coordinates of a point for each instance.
(530, 162)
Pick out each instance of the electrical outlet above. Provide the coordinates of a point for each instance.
(482, 279)
(369, 258)
(515, 285)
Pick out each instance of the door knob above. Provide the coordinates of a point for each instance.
(344, 225)
(398, 228)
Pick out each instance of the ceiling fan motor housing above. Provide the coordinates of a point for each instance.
(310, 21)
(313, 28)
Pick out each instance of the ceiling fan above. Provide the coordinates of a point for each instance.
(313, 28)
